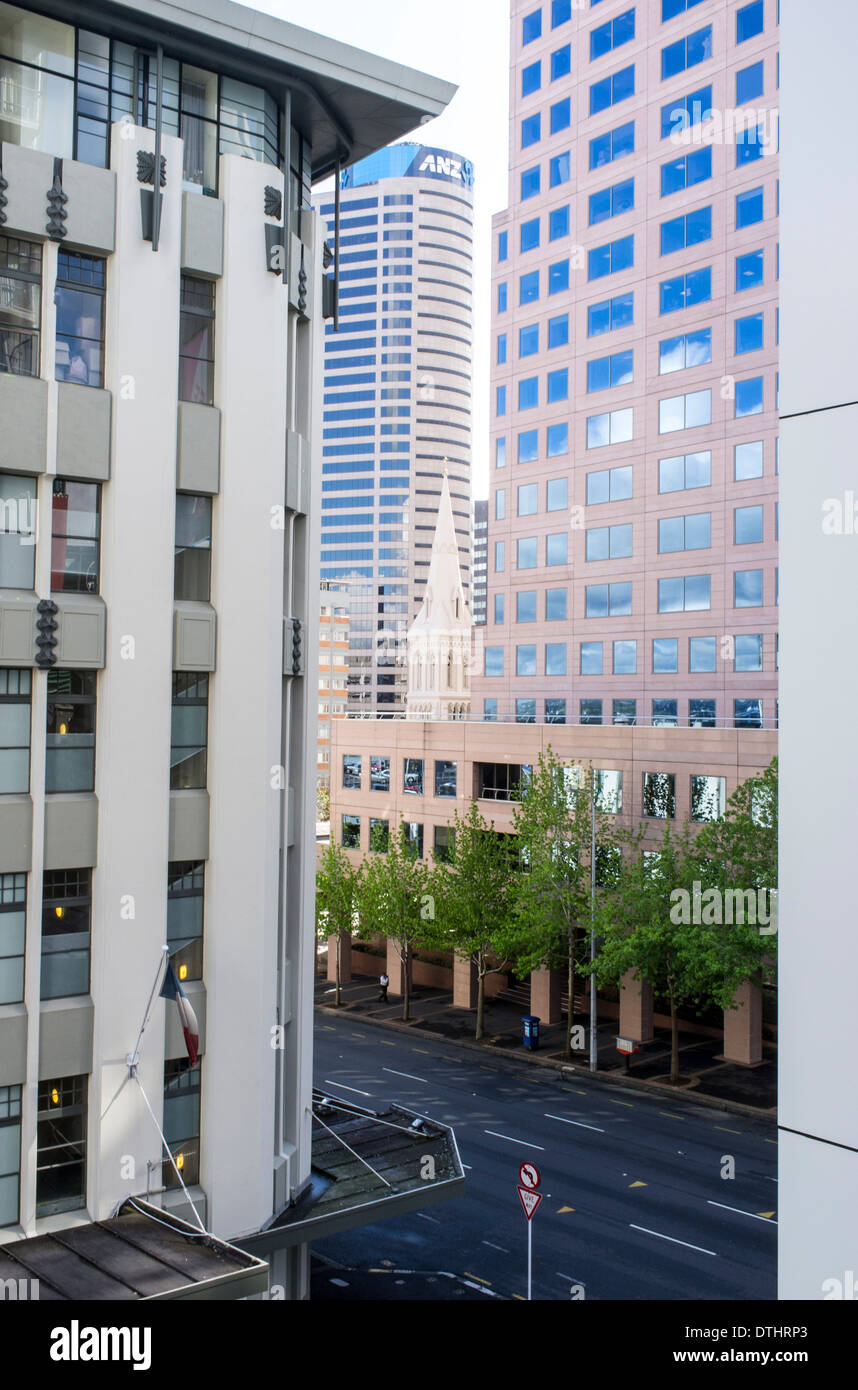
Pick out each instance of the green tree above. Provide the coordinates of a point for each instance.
(338, 884)
(473, 892)
(323, 804)
(395, 902)
(562, 806)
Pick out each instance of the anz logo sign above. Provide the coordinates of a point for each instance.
(445, 166)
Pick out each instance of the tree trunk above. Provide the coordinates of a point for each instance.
(406, 989)
(570, 1012)
(674, 1042)
(481, 997)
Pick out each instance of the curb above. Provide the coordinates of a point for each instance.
(561, 1069)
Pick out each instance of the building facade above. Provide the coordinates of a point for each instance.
(333, 670)
(632, 571)
(397, 407)
(160, 384)
(480, 560)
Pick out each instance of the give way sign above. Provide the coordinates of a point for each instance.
(529, 1200)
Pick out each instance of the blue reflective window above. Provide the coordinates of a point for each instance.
(555, 658)
(591, 658)
(688, 350)
(749, 334)
(558, 277)
(503, 245)
(558, 385)
(684, 112)
(559, 169)
(688, 230)
(615, 256)
(529, 235)
(561, 62)
(531, 130)
(671, 8)
(560, 115)
(557, 439)
(526, 553)
(750, 83)
(531, 79)
(502, 297)
(747, 525)
(614, 144)
(557, 495)
(686, 171)
(749, 21)
(612, 202)
(682, 291)
(615, 370)
(525, 603)
(525, 657)
(749, 207)
(686, 53)
(749, 270)
(618, 312)
(528, 446)
(530, 182)
(528, 393)
(501, 349)
(612, 34)
(748, 589)
(556, 550)
(555, 605)
(610, 90)
(749, 397)
(558, 223)
(528, 287)
(558, 331)
(561, 11)
(501, 401)
(531, 27)
(528, 340)
(749, 146)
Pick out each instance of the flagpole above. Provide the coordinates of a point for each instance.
(169, 1155)
(133, 1056)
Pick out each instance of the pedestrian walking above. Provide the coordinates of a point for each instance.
(384, 981)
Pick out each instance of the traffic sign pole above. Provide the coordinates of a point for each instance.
(529, 1180)
(529, 1256)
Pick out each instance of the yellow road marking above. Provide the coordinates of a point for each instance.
(423, 1050)
(671, 1115)
(521, 1298)
(638, 1184)
(622, 1102)
(384, 1043)
(478, 1279)
(768, 1214)
(562, 1209)
(725, 1130)
(358, 1035)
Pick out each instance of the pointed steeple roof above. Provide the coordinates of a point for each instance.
(444, 608)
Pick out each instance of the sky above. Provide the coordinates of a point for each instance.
(464, 42)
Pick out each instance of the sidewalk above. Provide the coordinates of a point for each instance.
(705, 1076)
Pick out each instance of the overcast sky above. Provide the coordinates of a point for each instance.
(465, 42)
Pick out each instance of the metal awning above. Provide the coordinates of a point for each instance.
(141, 1253)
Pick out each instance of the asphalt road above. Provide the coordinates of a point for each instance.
(635, 1205)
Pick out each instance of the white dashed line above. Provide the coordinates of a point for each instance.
(579, 1123)
(672, 1239)
(510, 1140)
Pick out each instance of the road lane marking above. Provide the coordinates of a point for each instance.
(501, 1248)
(347, 1088)
(671, 1115)
(327, 1027)
(560, 1213)
(725, 1130)
(469, 1275)
(483, 1067)
(672, 1239)
(520, 1296)
(358, 1035)
(638, 1184)
(579, 1123)
(469, 1166)
(406, 1074)
(385, 1043)
(621, 1102)
(423, 1050)
(523, 1142)
(757, 1216)
(424, 1217)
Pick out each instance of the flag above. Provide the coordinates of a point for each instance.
(171, 989)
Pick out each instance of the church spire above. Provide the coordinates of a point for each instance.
(439, 641)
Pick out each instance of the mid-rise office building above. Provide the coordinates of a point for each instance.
(161, 302)
(333, 670)
(480, 560)
(633, 523)
(397, 407)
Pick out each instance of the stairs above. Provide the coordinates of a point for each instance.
(520, 996)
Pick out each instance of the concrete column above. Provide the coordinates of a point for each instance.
(345, 959)
(395, 970)
(464, 983)
(635, 1009)
(545, 995)
(743, 1027)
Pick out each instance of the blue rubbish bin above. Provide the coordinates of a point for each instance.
(530, 1031)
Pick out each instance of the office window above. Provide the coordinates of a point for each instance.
(750, 83)
(501, 349)
(558, 277)
(747, 525)
(531, 79)
(701, 713)
(749, 21)
(686, 53)
(624, 712)
(529, 235)
(556, 494)
(13, 926)
(528, 446)
(79, 299)
(61, 1145)
(412, 776)
(685, 593)
(659, 795)
(525, 711)
(747, 714)
(612, 34)
(608, 600)
(70, 737)
(10, 1154)
(590, 712)
(196, 341)
(556, 549)
(531, 27)
(503, 246)
(613, 428)
(525, 661)
(609, 314)
(559, 169)
(502, 297)
(182, 1088)
(528, 340)
(351, 832)
(74, 537)
(685, 471)
(748, 589)
(528, 499)
(748, 648)
(414, 837)
(555, 711)
(351, 771)
(558, 223)
(445, 778)
(15, 690)
(665, 714)
(625, 658)
(682, 291)
(528, 393)
(609, 485)
(189, 735)
(379, 835)
(557, 440)
(379, 774)
(530, 182)
(749, 270)
(558, 331)
(66, 908)
(665, 655)
(500, 453)
(749, 397)
(686, 350)
(561, 62)
(499, 608)
(500, 401)
(684, 412)
(531, 130)
(611, 258)
(500, 504)
(555, 658)
(749, 207)
(748, 461)
(18, 507)
(612, 202)
(749, 334)
(555, 605)
(708, 798)
(185, 883)
(684, 112)
(493, 663)
(444, 841)
(528, 287)
(558, 387)
(701, 655)
(684, 533)
(525, 606)
(20, 306)
(608, 91)
(526, 553)
(499, 556)
(561, 12)
(609, 542)
(560, 116)
(591, 658)
(686, 171)
(671, 8)
(749, 146)
(615, 370)
(613, 144)
(688, 230)
(192, 568)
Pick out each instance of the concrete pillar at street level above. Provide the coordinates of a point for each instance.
(464, 983)
(743, 1027)
(635, 1009)
(345, 959)
(545, 986)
